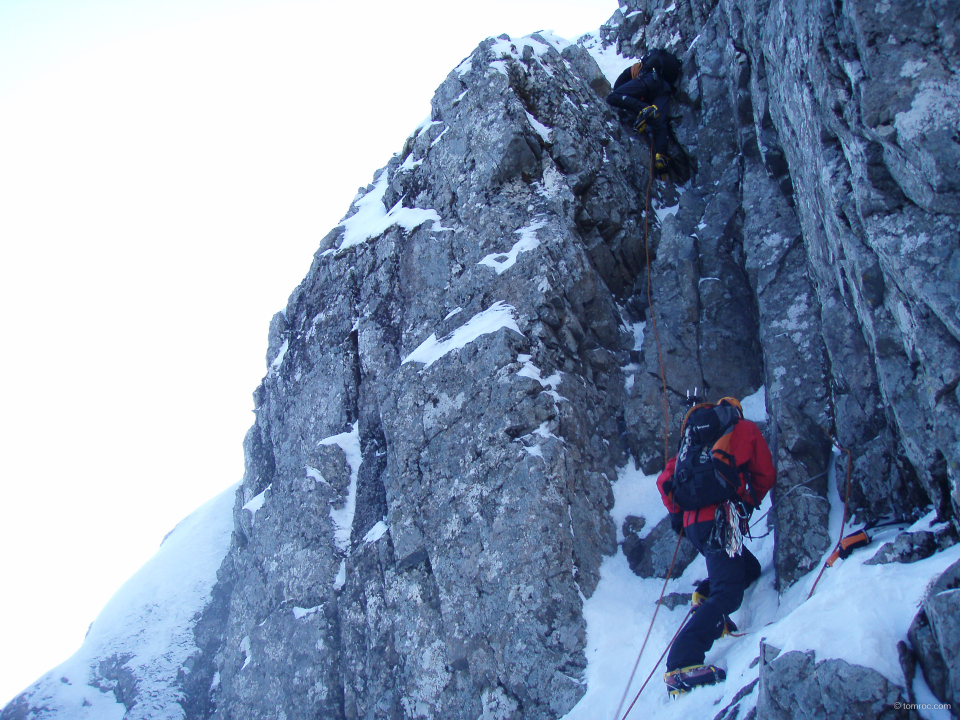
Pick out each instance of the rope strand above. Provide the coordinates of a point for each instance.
(653, 317)
(846, 502)
(657, 663)
(649, 629)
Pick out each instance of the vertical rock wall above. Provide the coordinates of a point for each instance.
(830, 133)
(446, 405)
(454, 385)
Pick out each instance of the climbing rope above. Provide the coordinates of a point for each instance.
(653, 316)
(656, 665)
(846, 502)
(666, 442)
(780, 500)
(633, 672)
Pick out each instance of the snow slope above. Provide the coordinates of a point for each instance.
(858, 613)
(147, 626)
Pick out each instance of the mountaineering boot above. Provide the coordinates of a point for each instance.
(684, 680)
(729, 626)
(660, 162)
(644, 116)
(701, 593)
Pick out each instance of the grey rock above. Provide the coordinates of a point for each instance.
(935, 636)
(811, 249)
(911, 547)
(794, 685)
(659, 552)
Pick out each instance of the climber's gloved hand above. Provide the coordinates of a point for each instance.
(676, 522)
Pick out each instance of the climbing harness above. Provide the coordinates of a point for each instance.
(730, 525)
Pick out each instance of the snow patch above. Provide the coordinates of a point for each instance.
(150, 620)
(278, 360)
(542, 130)
(376, 532)
(755, 406)
(314, 474)
(245, 649)
(256, 502)
(498, 315)
(299, 613)
(532, 371)
(912, 68)
(501, 262)
(611, 62)
(349, 442)
(372, 218)
(663, 213)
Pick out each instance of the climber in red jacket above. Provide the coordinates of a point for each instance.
(720, 475)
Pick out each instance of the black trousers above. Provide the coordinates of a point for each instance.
(729, 577)
(633, 97)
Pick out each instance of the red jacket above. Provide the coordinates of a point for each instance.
(754, 462)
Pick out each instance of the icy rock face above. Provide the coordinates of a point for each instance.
(453, 386)
(794, 685)
(935, 636)
(425, 504)
(825, 201)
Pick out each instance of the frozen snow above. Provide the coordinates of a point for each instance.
(755, 406)
(372, 218)
(150, 620)
(299, 613)
(663, 213)
(532, 371)
(349, 442)
(611, 62)
(497, 316)
(256, 502)
(831, 623)
(376, 532)
(278, 360)
(245, 649)
(515, 46)
(314, 474)
(542, 130)
(501, 262)
(340, 580)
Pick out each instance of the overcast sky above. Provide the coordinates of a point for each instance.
(167, 169)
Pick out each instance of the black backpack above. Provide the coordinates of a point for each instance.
(706, 472)
(663, 62)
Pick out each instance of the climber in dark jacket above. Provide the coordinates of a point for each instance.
(728, 575)
(644, 97)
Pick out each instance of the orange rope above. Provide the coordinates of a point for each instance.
(644, 646)
(653, 318)
(846, 501)
(657, 664)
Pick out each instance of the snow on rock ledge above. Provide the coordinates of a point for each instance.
(130, 663)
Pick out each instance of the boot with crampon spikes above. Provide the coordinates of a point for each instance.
(683, 680)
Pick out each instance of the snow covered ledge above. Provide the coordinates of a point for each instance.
(136, 654)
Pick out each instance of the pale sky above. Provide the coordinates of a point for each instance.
(167, 169)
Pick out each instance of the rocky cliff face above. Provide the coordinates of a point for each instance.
(454, 385)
